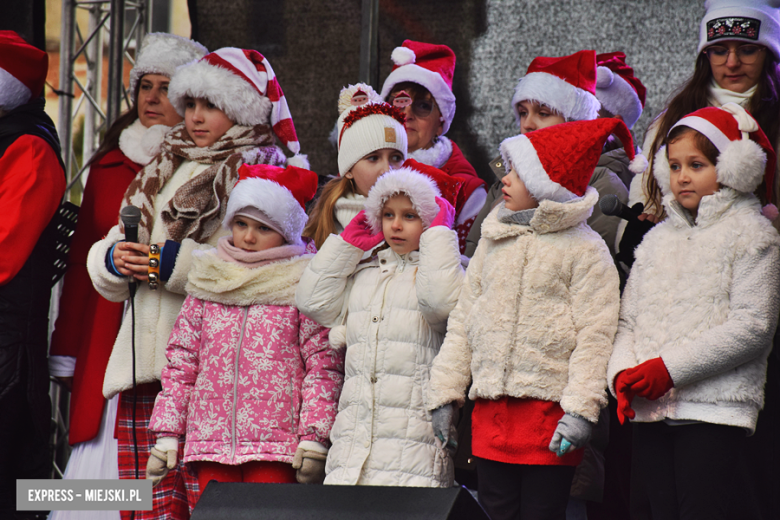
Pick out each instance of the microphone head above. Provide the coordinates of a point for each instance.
(130, 215)
(610, 205)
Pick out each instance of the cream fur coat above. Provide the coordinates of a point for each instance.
(537, 314)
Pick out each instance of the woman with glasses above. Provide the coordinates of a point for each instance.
(421, 86)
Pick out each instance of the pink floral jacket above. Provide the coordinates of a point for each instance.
(248, 376)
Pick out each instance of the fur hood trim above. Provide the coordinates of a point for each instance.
(712, 208)
(437, 155)
(549, 217)
(141, 144)
(420, 189)
(216, 280)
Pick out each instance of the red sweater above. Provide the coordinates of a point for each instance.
(88, 324)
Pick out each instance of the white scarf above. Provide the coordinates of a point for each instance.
(348, 207)
(720, 96)
(437, 155)
(141, 144)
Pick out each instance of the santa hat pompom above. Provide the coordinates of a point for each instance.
(299, 160)
(741, 165)
(770, 211)
(403, 56)
(638, 164)
(604, 77)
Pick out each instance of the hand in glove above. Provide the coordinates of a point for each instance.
(650, 380)
(634, 234)
(624, 395)
(159, 464)
(445, 216)
(572, 433)
(358, 233)
(443, 419)
(310, 465)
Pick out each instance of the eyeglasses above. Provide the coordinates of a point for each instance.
(747, 54)
(421, 108)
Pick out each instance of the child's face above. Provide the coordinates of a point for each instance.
(152, 104)
(205, 122)
(251, 235)
(401, 225)
(693, 176)
(535, 116)
(516, 195)
(368, 169)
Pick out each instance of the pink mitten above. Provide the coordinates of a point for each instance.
(446, 214)
(359, 234)
(650, 379)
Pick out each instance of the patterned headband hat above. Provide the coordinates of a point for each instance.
(747, 21)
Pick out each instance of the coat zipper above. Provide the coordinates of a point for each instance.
(235, 385)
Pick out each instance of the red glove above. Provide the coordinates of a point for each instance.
(650, 380)
(624, 397)
(445, 216)
(359, 234)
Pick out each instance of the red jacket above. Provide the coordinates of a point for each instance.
(459, 167)
(88, 324)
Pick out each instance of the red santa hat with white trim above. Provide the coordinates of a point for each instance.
(557, 162)
(746, 155)
(618, 90)
(242, 84)
(566, 84)
(23, 69)
(274, 196)
(429, 65)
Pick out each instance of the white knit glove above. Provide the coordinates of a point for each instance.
(443, 419)
(309, 460)
(163, 458)
(572, 432)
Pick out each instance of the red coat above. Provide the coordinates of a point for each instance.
(459, 167)
(88, 324)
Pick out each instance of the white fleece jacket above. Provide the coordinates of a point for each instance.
(704, 296)
(537, 314)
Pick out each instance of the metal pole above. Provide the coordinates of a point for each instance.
(369, 43)
(115, 61)
(65, 126)
(92, 118)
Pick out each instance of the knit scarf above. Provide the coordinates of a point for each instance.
(227, 251)
(720, 96)
(522, 217)
(197, 208)
(347, 208)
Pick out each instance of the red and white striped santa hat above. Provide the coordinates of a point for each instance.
(241, 83)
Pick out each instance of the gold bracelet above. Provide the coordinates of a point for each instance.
(154, 266)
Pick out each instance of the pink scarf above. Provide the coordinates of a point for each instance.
(230, 253)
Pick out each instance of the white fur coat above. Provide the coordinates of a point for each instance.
(704, 296)
(537, 314)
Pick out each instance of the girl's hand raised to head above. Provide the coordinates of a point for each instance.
(132, 259)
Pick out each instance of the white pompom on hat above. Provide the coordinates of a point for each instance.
(618, 90)
(746, 155)
(420, 188)
(747, 21)
(161, 53)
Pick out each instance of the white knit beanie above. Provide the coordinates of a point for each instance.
(747, 21)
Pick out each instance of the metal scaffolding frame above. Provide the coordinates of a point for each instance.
(108, 22)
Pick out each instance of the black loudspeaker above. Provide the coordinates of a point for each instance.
(242, 501)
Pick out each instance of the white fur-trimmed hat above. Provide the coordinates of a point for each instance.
(367, 124)
(748, 21)
(243, 85)
(566, 84)
(429, 65)
(746, 156)
(279, 193)
(23, 70)
(420, 189)
(618, 90)
(161, 53)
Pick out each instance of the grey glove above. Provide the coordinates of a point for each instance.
(159, 464)
(310, 466)
(572, 433)
(443, 419)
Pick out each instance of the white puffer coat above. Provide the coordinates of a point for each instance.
(704, 296)
(397, 309)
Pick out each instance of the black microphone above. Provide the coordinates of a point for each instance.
(130, 217)
(611, 205)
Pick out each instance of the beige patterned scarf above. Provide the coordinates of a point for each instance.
(198, 207)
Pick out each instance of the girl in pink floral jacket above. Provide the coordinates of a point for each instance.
(251, 383)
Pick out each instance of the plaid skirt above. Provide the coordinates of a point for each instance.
(176, 495)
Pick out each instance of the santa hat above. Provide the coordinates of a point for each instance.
(23, 69)
(557, 162)
(431, 66)
(618, 90)
(747, 21)
(367, 127)
(420, 188)
(243, 85)
(566, 84)
(746, 156)
(161, 53)
(275, 196)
